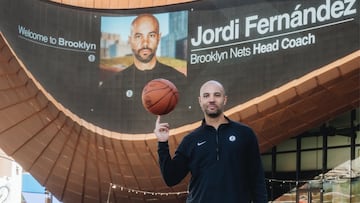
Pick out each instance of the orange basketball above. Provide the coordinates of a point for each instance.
(159, 96)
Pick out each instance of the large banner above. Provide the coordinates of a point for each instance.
(96, 63)
(256, 48)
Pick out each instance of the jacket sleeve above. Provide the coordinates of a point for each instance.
(259, 192)
(174, 169)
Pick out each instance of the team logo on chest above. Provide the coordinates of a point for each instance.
(232, 138)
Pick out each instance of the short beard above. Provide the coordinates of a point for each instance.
(144, 60)
(214, 115)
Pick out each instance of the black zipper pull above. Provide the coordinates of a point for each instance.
(217, 145)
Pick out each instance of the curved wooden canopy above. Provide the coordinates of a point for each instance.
(120, 4)
(77, 161)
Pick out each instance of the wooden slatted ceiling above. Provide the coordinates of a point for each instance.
(120, 4)
(77, 161)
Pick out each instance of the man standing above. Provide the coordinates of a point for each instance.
(222, 155)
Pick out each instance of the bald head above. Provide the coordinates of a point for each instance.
(212, 99)
(145, 20)
(214, 83)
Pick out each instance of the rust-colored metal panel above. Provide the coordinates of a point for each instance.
(119, 4)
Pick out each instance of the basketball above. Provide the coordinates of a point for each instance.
(159, 96)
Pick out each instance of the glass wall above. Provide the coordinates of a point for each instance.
(316, 166)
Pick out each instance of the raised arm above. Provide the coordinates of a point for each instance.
(174, 169)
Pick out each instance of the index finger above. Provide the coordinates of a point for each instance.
(158, 120)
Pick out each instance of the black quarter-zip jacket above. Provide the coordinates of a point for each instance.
(225, 164)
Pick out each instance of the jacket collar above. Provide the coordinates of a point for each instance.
(203, 123)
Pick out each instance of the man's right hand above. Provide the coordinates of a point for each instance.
(161, 130)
